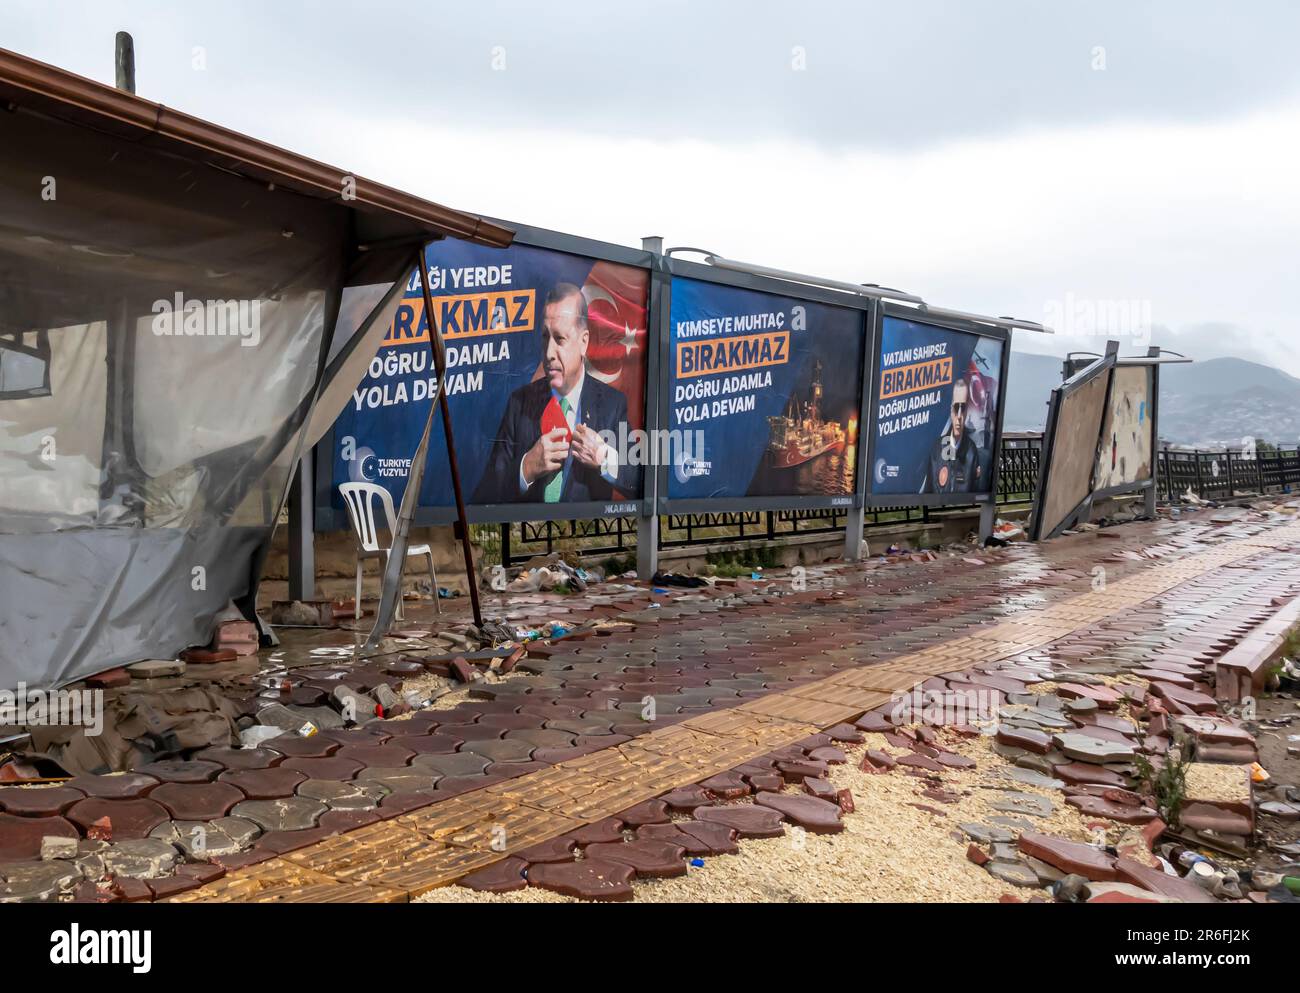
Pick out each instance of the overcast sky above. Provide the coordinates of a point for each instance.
(1098, 164)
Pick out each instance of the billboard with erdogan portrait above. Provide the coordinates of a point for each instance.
(546, 377)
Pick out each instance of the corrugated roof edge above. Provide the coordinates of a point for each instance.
(28, 83)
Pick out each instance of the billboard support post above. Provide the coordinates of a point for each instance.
(302, 549)
(1149, 497)
(857, 515)
(647, 522)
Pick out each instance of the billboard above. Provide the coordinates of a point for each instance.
(935, 410)
(546, 378)
(764, 394)
(1125, 455)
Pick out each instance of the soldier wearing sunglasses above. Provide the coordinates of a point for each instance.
(954, 465)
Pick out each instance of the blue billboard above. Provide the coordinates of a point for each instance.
(546, 372)
(934, 410)
(763, 394)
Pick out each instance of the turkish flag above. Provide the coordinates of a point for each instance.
(616, 322)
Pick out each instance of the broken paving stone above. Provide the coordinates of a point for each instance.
(876, 761)
(401, 779)
(822, 789)
(1015, 873)
(1095, 806)
(747, 820)
(954, 761)
(505, 876)
(1159, 882)
(38, 801)
(1123, 893)
(726, 786)
(1029, 777)
(292, 814)
(1037, 763)
(109, 679)
(828, 754)
(1086, 772)
(873, 723)
(590, 879)
(54, 846)
(1211, 817)
(129, 818)
(1047, 874)
(1023, 803)
(1279, 808)
(651, 858)
(37, 882)
(687, 798)
(1013, 824)
(208, 839)
(1086, 748)
(846, 733)
(1030, 739)
(1069, 856)
(341, 795)
(139, 858)
(920, 762)
(795, 771)
(696, 837)
(809, 813)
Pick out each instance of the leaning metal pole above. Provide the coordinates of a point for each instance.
(462, 521)
(396, 564)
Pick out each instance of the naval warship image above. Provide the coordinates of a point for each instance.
(799, 434)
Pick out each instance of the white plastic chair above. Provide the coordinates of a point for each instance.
(360, 501)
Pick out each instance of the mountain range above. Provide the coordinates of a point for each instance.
(1205, 404)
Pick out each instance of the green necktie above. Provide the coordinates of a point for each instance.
(556, 484)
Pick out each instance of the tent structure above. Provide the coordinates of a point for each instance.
(183, 310)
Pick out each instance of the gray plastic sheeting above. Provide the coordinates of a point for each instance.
(163, 335)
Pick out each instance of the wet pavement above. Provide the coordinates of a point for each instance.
(652, 693)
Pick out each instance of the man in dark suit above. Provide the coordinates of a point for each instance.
(573, 465)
